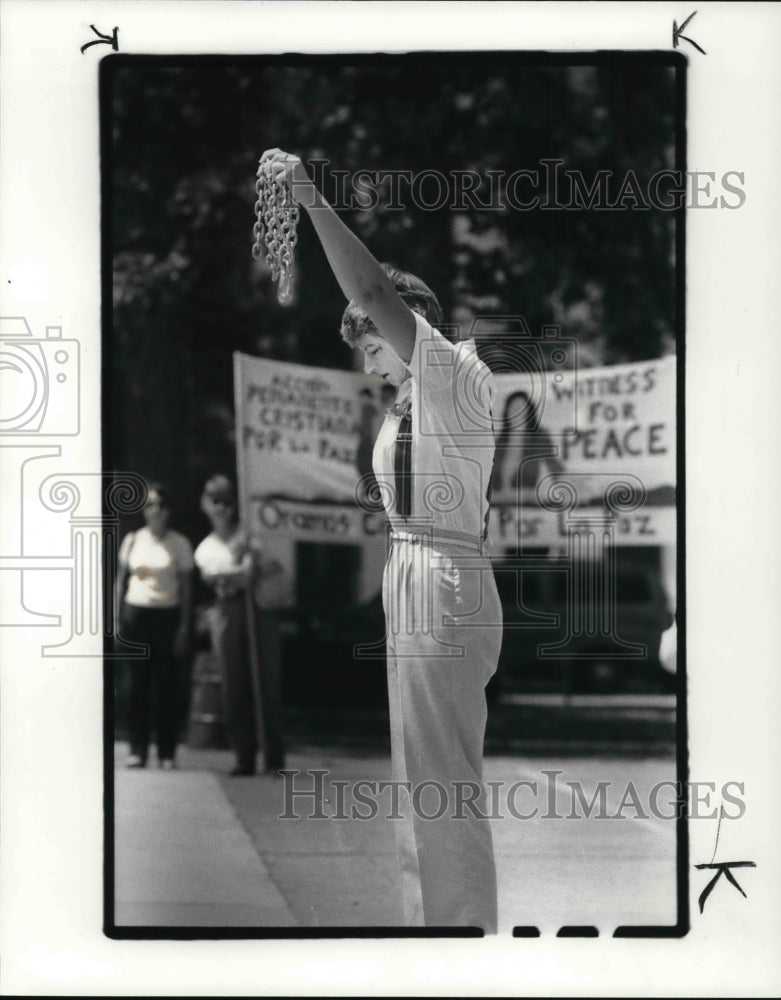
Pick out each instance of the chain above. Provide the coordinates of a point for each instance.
(277, 221)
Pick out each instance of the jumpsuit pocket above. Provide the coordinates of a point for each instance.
(385, 577)
(449, 601)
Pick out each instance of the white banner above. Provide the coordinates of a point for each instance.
(304, 437)
(590, 428)
(298, 428)
(344, 524)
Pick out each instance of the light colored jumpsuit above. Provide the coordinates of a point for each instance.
(444, 630)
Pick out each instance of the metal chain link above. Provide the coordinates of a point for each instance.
(276, 227)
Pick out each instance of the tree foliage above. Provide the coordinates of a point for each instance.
(186, 139)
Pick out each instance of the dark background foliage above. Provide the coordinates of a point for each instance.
(186, 138)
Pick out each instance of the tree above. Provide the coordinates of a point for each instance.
(187, 134)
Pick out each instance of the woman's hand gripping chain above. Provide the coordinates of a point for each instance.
(277, 214)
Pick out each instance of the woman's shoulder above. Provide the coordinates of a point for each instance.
(470, 367)
(136, 535)
(437, 361)
(464, 351)
(468, 351)
(206, 543)
(127, 543)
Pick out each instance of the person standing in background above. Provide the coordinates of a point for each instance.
(153, 597)
(229, 567)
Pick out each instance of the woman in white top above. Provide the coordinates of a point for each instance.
(432, 460)
(153, 596)
(227, 565)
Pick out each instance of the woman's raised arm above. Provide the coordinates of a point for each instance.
(358, 272)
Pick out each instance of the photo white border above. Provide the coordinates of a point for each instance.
(51, 793)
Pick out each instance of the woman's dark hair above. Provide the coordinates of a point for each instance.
(530, 424)
(416, 293)
(166, 497)
(219, 486)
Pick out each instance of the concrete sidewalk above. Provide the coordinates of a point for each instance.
(182, 857)
(197, 848)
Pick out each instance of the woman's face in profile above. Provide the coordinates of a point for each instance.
(380, 359)
(518, 413)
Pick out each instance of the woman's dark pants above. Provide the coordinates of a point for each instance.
(153, 701)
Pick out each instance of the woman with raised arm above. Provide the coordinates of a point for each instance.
(432, 460)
